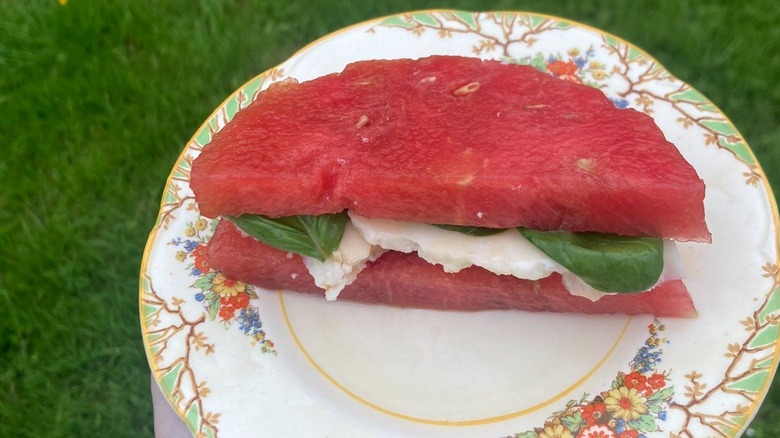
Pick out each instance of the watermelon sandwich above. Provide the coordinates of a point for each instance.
(452, 183)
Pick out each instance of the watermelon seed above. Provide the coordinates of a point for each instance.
(362, 121)
(587, 164)
(466, 180)
(536, 106)
(428, 80)
(466, 89)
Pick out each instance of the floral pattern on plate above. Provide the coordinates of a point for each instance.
(631, 408)
(224, 299)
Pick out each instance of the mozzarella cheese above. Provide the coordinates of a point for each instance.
(505, 253)
(343, 265)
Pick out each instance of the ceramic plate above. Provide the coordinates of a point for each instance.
(265, 363)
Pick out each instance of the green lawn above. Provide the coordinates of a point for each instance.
(97, 98)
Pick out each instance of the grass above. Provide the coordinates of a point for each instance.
(98, 97)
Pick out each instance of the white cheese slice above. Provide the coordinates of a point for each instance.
(343, 265)
(505, 253)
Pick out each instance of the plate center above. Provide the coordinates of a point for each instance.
(448, 367)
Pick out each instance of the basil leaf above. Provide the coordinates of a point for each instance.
(471, 230)
(313, 236)
(607, 262)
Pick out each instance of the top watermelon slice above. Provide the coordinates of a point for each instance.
(451, 140)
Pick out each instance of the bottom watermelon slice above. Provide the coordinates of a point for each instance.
(405, 280)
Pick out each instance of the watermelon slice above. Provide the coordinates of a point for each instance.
(451, 140)
(400, 279)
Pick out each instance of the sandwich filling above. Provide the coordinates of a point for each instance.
(503, 253)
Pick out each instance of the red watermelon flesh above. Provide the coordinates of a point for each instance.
(451, 140)
(405, 280)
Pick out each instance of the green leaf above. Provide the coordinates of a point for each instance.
(467, 18)
(607, 262)
(539, 62)
(645, 423)
(573, 422)
(205, 282)
(213, 309)
(661, 395)
(471, 230)
(618, 382)
(397, 21)
(425, 18)
(192, 416)
(527, 434)
(751, 383)
(313, 236)
(168, 380)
